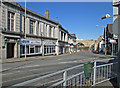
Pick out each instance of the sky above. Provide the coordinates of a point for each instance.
(80, 18)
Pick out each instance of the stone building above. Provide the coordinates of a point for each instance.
(44, 36)
(86, 43)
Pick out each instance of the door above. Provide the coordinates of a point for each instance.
(10, 50)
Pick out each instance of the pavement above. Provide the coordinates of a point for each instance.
(12, 60)
(20, 70)
(108, 84)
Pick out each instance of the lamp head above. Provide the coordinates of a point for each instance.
(106, 16)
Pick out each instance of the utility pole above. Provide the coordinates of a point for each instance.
(25, 29)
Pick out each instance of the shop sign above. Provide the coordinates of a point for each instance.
(35, 42)
(50, 43)
(30, 42)
(23, 41)
(112, 41)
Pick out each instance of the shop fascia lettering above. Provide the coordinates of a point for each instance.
(31, 42)
(50, 43)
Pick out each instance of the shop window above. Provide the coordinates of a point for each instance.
(31, 49)
(50, 50)
(22, 49)
(54, 49)
(45, 50)
(37, 49)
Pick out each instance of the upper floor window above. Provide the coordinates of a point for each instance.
(50, 31)
(53, 32)
(38, 28)
(11, 21)
(32, 26)
(23, 24)
(61, 35)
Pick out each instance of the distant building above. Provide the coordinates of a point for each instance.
(85, 43)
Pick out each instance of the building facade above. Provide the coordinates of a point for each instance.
(43, 35)
(116, 30)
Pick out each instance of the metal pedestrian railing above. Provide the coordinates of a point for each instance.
(103, 70)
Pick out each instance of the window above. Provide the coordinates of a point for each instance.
(37, 49)
(64, 36)
(11, 21)
(31, 49)
(50, 32)
(38, 28)
(45, 48)
(53, 32)
(61, 35)
(32, 26)
(50, 50)
(22, 49)
(23, 24)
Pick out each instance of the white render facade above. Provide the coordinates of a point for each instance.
(44, 36)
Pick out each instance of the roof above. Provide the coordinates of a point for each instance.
(28, 10)
(63, 28)
(37, 14)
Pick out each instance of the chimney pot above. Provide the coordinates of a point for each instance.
(47, 13)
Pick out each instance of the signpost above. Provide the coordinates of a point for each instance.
(113, 42)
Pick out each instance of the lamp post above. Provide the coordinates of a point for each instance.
(42, 34)
(104, 17)
(25, 29)
(108, 16)
(105, 38)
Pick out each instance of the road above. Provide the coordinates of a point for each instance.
(18, 72)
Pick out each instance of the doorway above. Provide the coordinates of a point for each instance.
(10, 50)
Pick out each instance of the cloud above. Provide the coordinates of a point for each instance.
(79, 39)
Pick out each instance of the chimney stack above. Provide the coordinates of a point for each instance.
(47, 13)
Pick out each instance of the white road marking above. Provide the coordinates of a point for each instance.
(19, 71)
(23, 77)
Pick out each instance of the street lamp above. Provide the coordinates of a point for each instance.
(106, 16)
(105, 38)
(25, 29)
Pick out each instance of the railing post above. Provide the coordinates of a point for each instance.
(64, 78)
(94, 77)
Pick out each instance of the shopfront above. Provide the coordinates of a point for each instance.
(32, 47)
(63, 47)
(66, 48)
(49, 48)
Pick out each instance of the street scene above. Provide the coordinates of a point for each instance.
(60, 44)
(14, 73)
